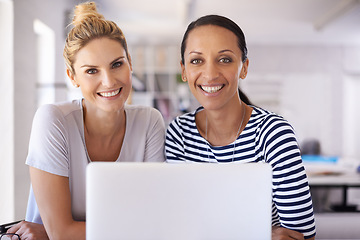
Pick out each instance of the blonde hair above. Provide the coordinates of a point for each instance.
(88, 25)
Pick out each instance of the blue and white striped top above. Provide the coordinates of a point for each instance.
(268, 138)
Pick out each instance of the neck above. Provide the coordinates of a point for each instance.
(103, 124)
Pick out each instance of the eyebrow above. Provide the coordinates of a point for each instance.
(87, 65)
(226, 50)
(117, 59)
(221, 51)
(194, 52)
(113, 61)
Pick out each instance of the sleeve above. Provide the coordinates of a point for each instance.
(154, 148)
(174, 144)
(48, 150)
(292, 203)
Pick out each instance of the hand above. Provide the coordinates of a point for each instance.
(281, 233)
(29, 231)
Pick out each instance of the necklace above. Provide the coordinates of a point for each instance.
(237, 134)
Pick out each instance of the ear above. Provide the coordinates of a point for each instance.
(244, 69)
(72, 78)
(183, 75)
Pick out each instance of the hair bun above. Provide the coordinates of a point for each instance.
(85, 11)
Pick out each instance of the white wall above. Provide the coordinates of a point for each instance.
(7, 112)
(309, 89)
(351, 143)
(351, 107)
(22, 105)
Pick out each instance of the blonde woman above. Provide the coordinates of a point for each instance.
(66, 137)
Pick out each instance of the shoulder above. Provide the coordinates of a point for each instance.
(264, 119)
(272, 134)
(270, 128)
(56, 120)
(60, 109)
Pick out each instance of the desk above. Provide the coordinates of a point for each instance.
(334, 176)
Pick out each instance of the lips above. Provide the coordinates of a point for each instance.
(110, 93)
(211, 89)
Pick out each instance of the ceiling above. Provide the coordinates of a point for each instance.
(333, 22)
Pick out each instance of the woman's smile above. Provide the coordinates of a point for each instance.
(109, 94)
(211, 89)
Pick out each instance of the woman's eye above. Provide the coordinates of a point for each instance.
(117, 64)
(91, 71)
(225, 60)
(195, 61)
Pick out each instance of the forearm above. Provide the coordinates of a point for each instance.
(73, 230)
(53, 198)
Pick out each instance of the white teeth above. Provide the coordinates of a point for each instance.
(211, 89)
(110, 94)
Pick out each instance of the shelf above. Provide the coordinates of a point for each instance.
(156, 70)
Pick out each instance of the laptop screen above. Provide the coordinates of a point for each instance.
(178, 201)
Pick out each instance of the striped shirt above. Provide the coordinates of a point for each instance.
(268, 138)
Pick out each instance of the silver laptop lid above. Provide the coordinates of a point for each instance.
(178, 201)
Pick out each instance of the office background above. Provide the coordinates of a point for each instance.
(304, 64)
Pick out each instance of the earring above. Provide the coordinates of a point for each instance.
(76, 85)
(184, 79)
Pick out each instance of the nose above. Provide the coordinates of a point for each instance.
(107, 79)
(210, 71)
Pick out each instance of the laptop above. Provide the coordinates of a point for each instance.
(185, 201)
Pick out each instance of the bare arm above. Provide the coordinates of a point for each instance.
(52, 194)
(280, 233)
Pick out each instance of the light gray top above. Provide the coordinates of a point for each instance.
(57, 145)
